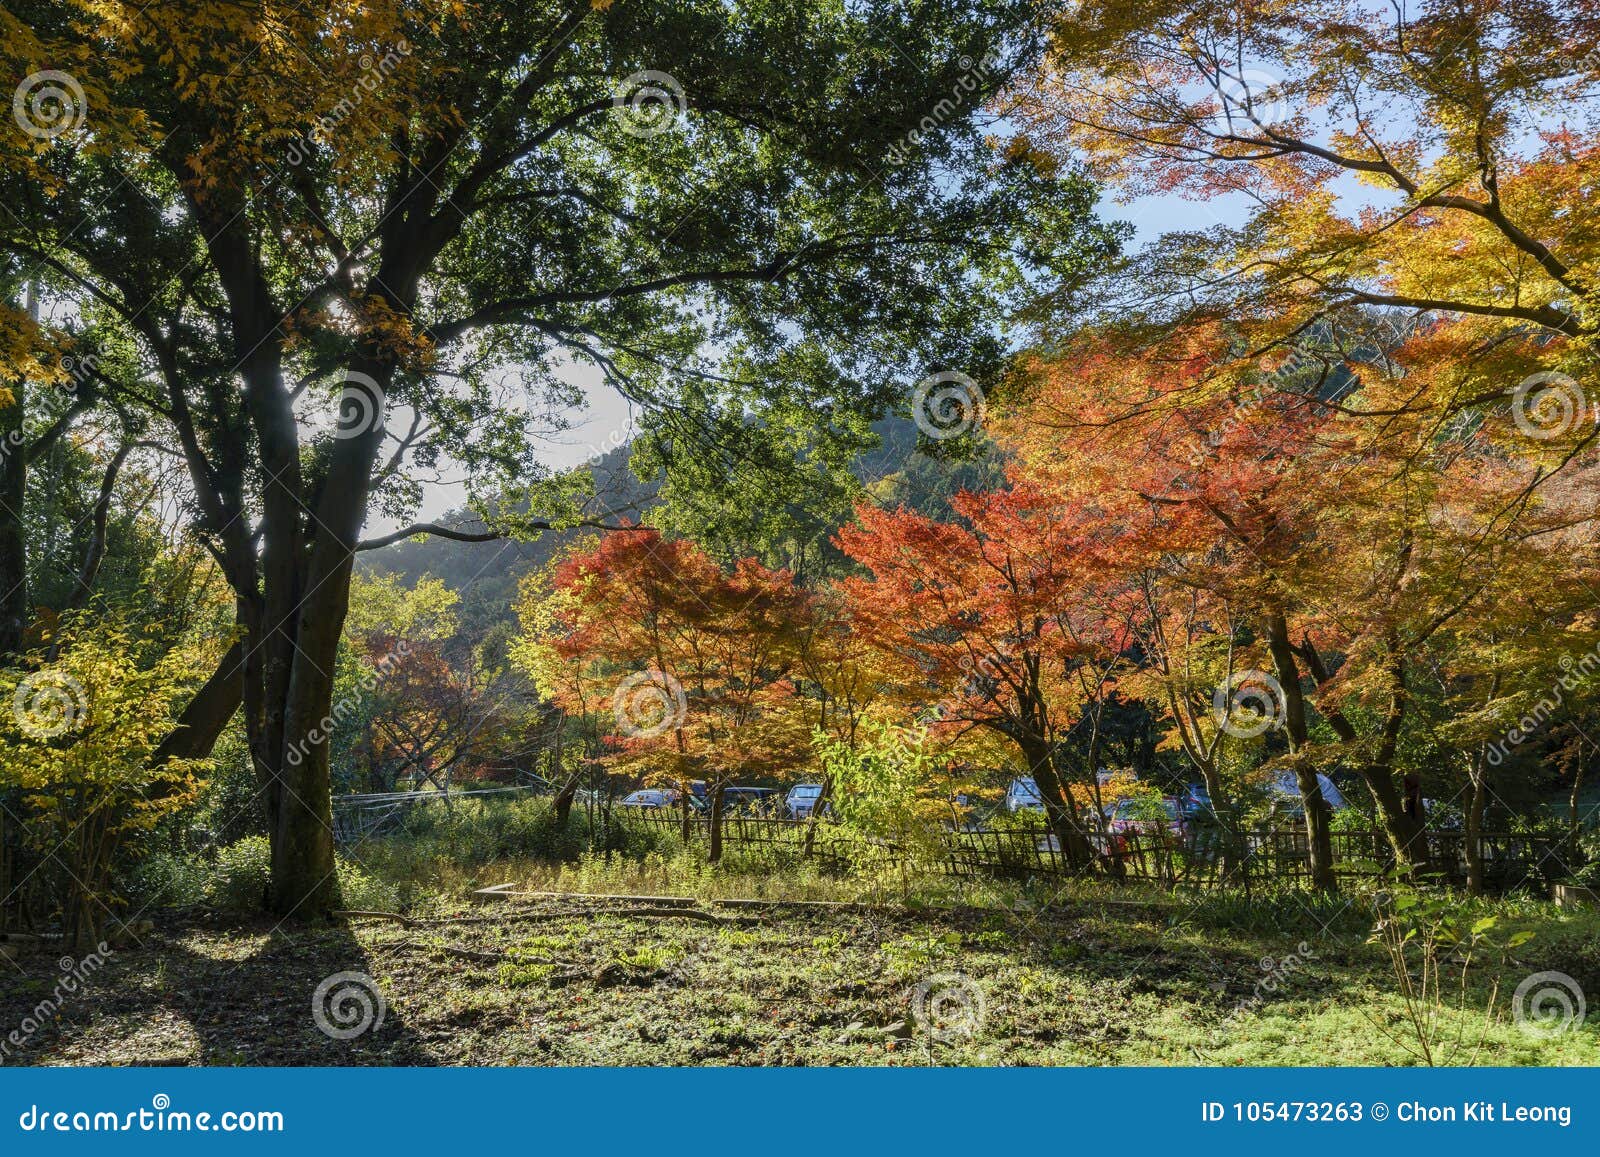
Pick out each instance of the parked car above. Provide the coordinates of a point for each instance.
(1146, 816)
(1022, 794)
(1283, 793)
(650, 797)
(1195, 802)
(802, 800)
(748, 800)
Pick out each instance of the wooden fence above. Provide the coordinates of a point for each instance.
(1258, 856)
(829, 845)
(364, 817)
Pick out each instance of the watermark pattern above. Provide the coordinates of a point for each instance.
(612, 441)
(375, 70)
(82, 366)
(1548, 1004)
(347, 705)
(649, 703)
(947, 405)
(1276, 973)
(1249, 704)
(49, 704)
(973, 73)
(948, 1006)
(49, 103)
(1253, 96)
(1549, 404)
(361, 406)
(74, 974)
(649, 103)
(1574, 673)
(78, 368)
(348, 1004)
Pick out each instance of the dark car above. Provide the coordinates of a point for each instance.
(1195, 802)
(749, 800)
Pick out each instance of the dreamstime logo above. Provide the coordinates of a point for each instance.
(1575, 673)
(1548, 1004)
(648, 104)
(948, 1006)
(1249, 704)
(1548, 404)
(1276, 973)
(49, 103)
(1251, 96)
(947, 405)
(649, 703)
(347, 706)
(361, 406)
(81, 367)
(74, 975)
(612, 441)
(962, 93)
(347, 1004)
(375, 70)
(48, 704)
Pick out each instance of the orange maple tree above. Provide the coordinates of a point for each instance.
(992, 621)
(1327, 545)
(692, 662)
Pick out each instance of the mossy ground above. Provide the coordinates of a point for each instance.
(575, 981)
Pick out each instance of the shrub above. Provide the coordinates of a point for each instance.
(85, 718)
(241, 874)
(361, 890)
(169, 880)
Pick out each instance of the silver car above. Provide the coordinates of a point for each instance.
(1023, 795)
(802, 800)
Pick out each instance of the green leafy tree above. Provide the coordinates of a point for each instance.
(421, 208)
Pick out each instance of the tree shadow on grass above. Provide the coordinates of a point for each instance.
(170, 1002)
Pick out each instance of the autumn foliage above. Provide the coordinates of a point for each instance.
(694, 664)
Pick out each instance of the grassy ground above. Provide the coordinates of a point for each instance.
(575, 981)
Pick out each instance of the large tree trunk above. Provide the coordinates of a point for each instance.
(1319, 829)
(1574, 819)
(303, 866)
(714, 854)
(1474, 835)
(1406, 832)
(1230, 859)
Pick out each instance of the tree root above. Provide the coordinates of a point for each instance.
(348, 913)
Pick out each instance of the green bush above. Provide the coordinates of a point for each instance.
(168, 880)
(240, 876)
(480, 831)
(1587, 876)
(363, 891)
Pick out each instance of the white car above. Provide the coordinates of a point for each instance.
(802, 800)
(1023, 795)
(650, 797)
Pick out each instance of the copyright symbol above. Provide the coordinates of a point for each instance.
(1380, 1111)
